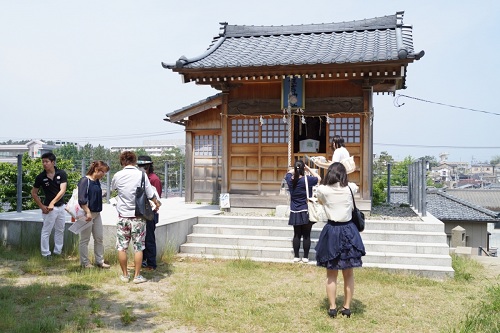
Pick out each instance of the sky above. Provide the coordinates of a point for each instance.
(90, 71)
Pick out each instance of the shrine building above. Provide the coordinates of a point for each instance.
(285, 91)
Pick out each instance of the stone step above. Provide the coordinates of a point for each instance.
(281, 221)
(407, 247)
(387, 225)
(286, 242)
(395, 258)
(284, 231)
(390, 245)
(286, 253)
(405, 236)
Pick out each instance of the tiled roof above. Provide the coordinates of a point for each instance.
(489, 199)
(447, 207)
(369, 40)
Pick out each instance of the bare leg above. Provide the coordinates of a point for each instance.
(331, 286)
(137, 263)
(348, 275)
(122, 258)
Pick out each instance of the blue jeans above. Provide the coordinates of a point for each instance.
(149, 253)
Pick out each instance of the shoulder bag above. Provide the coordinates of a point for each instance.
(142, 205)
(73, 207)
(314, 208)
(358, 217)
(349, 164)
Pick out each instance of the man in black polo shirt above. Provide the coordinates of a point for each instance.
(53, 183)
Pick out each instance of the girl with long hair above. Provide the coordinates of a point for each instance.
(299, 217)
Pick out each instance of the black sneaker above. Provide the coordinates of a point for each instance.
(49, 257)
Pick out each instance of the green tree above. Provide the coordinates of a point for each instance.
(30, 169)
(67, 152)
(175, 160)
(432, 161)
(380, 166)
(399, 173)
(495, 160)
(379, 194)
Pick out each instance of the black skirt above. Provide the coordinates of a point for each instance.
(298, 218)
(339, 246)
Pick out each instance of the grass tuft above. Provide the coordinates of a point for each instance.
(126, 316)
(465, 268)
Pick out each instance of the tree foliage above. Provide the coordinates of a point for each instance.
(30, 169)
(495, 160)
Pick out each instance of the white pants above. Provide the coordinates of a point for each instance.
(56, 219)
(97, 231)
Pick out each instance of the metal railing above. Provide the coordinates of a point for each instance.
(171, 174)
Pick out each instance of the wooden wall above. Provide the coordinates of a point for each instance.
(259, 168)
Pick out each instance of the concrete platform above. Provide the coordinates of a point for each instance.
(176, 222)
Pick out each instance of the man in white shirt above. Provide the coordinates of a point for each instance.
(130, 227)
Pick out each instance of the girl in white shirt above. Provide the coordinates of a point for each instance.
(340, 152)
(339, 246)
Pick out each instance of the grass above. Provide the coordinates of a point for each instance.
(211, 295)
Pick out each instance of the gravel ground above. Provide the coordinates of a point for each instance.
(392, 212)
(381, 212)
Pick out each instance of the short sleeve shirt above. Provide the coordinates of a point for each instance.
(298, 196)
(51, 187)
(90, 194)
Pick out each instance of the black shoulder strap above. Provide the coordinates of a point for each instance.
(353, 201)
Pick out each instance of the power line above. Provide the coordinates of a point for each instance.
(397, 104)
(109, 137)
(433, 146)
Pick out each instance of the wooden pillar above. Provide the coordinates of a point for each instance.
(367, 173)
(225, 142)
(189, 167)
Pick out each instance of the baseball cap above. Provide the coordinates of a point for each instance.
(141, 160)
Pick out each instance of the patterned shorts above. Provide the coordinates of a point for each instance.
(130, 228)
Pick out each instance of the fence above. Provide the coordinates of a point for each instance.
(417, 188)
(171, 175)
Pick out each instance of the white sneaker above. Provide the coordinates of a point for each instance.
(296, 259)
(139, 279)
(305, 260)
(124, 278)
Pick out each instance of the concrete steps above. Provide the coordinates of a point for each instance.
(412, 246)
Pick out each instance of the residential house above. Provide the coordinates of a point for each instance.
(34, 148)
(156, 148)
(454, 211)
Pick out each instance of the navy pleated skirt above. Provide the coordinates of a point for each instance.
(298, 218)
(339, 246)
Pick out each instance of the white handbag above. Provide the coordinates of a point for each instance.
(73, 207)
(349, 164)
(315, 209)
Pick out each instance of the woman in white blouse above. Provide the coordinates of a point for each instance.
(339, 246)
(340, 152)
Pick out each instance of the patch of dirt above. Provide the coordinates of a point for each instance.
(142, 301)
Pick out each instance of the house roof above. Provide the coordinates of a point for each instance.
(375, 40)
(179, 116)
(489, 199)
(444, 206)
